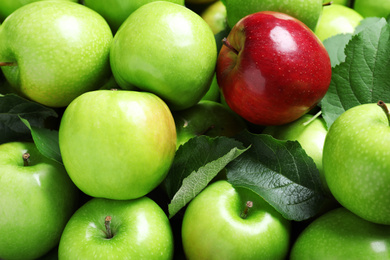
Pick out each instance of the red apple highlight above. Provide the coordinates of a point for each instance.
(272, 68)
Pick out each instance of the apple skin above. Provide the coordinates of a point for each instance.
(9, 6)
(356, 162)
(159, 32)
(215, 16)
(206, 118)
(369, 8)
(337, 19)
(282, 70)
(339, 2)
(213, 94)
(36, 202)
(140, 229)
(116, 11)
(61, 50)
(340, 234)
(307, 11)
(117, 144)
(213, 228)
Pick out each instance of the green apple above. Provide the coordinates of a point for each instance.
(369, 8)
(116, 11)
(223, 222)
(310, 132)
(337, 19)
(199, 1)
(307, 11)
(37, 200)
(55, 51)
(340, 234)
(117, 144)
(166, 49)
(113, 229)
(339, 2)
(215, 16)
(206, 118)
(9, 6)
(356, 161)
(213, 94)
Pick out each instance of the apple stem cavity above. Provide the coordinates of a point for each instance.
(385, 109)
(4, 63)
(327, 3)
(107, 224)
(208, 129)
(312, 119)
(227, 44)
(248, 205)
(26, 159)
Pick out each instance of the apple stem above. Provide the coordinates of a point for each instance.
(227, 44)
(248, 205)
(107, 224)
(385, 109)
(5, 63)
(313, 118)
(26, 159)
(327, 3)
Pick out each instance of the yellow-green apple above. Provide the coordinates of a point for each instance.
(307, 11)
(206, 118)
(166, 49)
(356, 161)
(53, 51)
(369, 8)
(117, 144)
(9, 6)
(117, 229)
(225, 222)
(215, 16)
(116, 11)
(37, 200)
(337, 19)
(272, 68)
(340, 234)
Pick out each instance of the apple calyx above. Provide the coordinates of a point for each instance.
(107, 224)
(227, 44)
(26, 159)
(248, 205)
(5, 63)
(385, 109)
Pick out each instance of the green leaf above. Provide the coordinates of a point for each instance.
(46, 141)
(335, 46)
(13, 106)
(364, 75)
(282, 173)
(196, 163)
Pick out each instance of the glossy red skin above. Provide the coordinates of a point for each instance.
(282, 69)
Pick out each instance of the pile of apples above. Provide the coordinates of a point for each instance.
(133, 82)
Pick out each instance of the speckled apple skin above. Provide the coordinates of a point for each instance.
(356, 162)
(166, 49)
(117, 144)
(61, 50)
(307, 11)
(340, 234)
(282, 69)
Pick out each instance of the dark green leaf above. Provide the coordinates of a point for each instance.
(280, 172)
(364, 75)
(196, 163)
(13, 106)
(46, 141)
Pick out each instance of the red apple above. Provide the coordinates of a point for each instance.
(272, 68)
